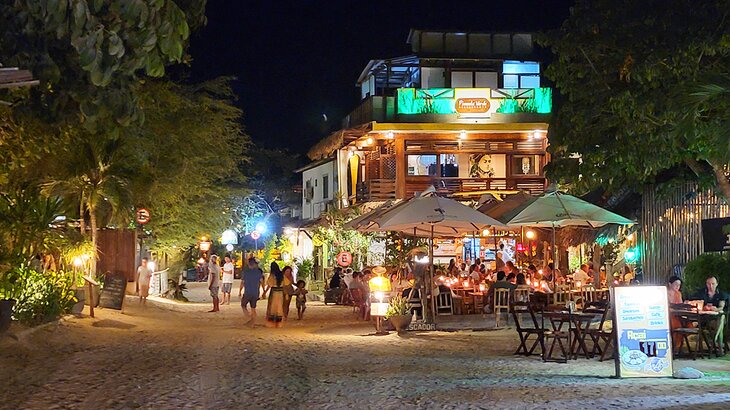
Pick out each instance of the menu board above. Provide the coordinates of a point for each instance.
(643, 339)
(112, 296)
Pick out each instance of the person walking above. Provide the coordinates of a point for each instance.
(214, 272)
(144, 275)
(252, 279)
(275, 284)
(301, 294)
(288, 286)
(227, 281)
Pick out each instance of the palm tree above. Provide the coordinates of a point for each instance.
(96, 177)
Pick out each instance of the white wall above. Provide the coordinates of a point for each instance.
(311, 209)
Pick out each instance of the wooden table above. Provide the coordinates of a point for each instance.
(703, 317)
(577, 323)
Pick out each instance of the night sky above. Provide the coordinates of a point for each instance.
(298, 60)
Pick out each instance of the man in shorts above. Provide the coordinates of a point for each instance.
(144, 275)
(227, 281)
(252, 279)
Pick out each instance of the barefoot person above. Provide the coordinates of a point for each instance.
(301, 294)
(288, 286)
(214, 272)
(275, 284)
(144, 275)
(227, 281)
(252, 279)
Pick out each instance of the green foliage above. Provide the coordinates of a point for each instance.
(44, 296)
(188, 157)
(176, 290)
(305, 268)
(398, 306)
(333, 235)
(623, 69)
(88, 54)
(398, 248)
(698, 269)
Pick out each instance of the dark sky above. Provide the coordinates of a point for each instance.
(297, 60)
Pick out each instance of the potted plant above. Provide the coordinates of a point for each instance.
(398, 313)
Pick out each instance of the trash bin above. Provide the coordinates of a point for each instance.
(191, 275)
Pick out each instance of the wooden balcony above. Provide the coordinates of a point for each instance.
(385, 189)
(374, 108)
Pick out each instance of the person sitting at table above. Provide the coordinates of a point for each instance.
(715, 299)
(511, 278)
(511, 268)
(501, 283)
(674, 295)
(581, 275)
(532, 272)
(520, 279)
(474, 274)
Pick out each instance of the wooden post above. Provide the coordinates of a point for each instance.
(400, 167)
(91, 299)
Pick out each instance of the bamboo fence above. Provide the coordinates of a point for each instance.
(671, 229)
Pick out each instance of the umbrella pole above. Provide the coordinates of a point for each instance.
(430, 279)
(555, 266)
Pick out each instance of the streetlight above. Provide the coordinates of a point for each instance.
(261, 228)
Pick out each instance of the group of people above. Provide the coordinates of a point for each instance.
(279, 285)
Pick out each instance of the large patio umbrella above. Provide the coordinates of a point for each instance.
(555, 210)
(429, 215)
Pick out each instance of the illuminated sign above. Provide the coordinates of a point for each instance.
(344, 258)
(643, 338)
(143, 216)
(474, 102)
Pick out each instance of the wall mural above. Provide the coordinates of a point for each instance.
(480, 166)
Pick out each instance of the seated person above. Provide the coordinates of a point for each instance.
(581, 275)
(501, 283)
(520, 280)
(511, 278)
(715, 300)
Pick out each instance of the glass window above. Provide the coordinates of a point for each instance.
(511, 81)
(325, 187)
(449, 166)
(530, 81)
(524, 165)
(520, 67)
(419, 165)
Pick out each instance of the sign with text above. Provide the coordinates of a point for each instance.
(344, 259)
(643, 339)
(112, 295)
(473, 102)
(716, 234)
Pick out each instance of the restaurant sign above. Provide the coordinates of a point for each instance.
(643, 338)
(716, 234)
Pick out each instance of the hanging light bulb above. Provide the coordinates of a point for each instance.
(462, 135)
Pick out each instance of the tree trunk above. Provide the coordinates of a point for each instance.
(94, 235)
(82, 219)
(722, 180)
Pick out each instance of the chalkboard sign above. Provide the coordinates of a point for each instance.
(115, 286)
(716, 234)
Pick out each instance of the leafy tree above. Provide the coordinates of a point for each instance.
(188, 156)
(623, 69)
(89, 54)
(96, 175)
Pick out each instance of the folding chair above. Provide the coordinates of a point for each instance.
(598, 334)
(519, 309)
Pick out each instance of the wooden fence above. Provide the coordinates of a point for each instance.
(671, 229)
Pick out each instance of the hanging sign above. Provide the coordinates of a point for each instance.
(716, 234)
(344, 259)
(143, 216)
(643, 339)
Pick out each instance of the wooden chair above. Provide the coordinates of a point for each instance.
(686, 331)
(478, 303)
(501, 303)
(443, 304)
(522, 294)
(414, 304)
(519, 309)
(359, 305)
(588, 294)
(599, 335)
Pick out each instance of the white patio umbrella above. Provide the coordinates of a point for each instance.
(429, 215)
(555, 210)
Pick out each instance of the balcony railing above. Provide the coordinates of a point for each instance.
(374, 108)
(385, 189)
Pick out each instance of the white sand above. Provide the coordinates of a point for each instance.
(185, 358)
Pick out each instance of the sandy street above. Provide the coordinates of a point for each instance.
(177, 356)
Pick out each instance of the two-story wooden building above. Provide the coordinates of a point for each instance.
(466, 113)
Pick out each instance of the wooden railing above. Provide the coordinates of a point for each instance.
(384, 189)
(374, 108)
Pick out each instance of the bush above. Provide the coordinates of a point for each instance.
(398, 306)
(44, 297)
(698, 269)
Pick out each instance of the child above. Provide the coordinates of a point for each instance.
(301, 294)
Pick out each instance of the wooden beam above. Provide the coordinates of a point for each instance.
(400, 168)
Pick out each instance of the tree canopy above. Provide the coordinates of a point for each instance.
(627, 73)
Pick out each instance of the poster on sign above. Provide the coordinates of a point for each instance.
(643, 339)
